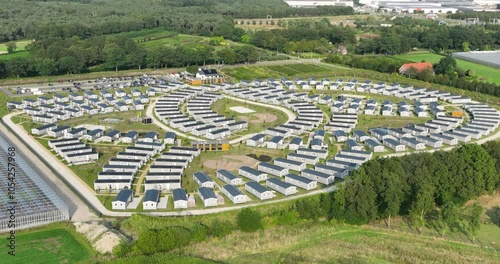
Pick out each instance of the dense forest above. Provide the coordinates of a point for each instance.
(22, 19)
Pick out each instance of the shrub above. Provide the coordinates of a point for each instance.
(220, 228)
(249, 220)
(199, 232)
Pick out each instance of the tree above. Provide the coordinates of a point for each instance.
(115, 57)
(448, 217)
(46, 67)
(360, 198)
(440, 67)
(338, 203)
(192, 69)
(249, 220)
(17, 67)
(465, 46)
(11, 46)
(227, 55)
(69, 65)
(474, 220)
(423, 202)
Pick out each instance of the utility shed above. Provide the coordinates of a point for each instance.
(151, 199)
(122, 200)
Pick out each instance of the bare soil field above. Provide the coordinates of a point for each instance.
(230, 162)
(260, 118)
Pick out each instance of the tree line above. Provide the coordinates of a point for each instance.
(407, 33)
(38, 19)
(75, 55)
(445, 72)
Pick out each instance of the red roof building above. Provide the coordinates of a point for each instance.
(419, 66)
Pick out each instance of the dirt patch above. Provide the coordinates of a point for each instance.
(102, 238)
(230, 162)
(487, 201)
(259, 118)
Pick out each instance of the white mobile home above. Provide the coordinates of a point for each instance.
(258, 190)
(302, 182)
(280, 186)
(272, 169)
(207, 196)
(228, 177)
(234, 194)
(252, 174)
(122, 200)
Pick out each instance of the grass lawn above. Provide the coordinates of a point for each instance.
(322, 243)
(485, 73)
(222, 107)
(17, 54)
(56, 243)
(366, 122)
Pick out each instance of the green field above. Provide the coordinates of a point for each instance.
(21, 45)
(18, 54)
(484, 73)
(56, 243)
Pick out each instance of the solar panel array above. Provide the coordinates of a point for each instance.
(35, 202)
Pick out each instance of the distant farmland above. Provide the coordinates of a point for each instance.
(485, 73)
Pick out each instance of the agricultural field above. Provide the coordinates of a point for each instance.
(56, 243)
(484, 73)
